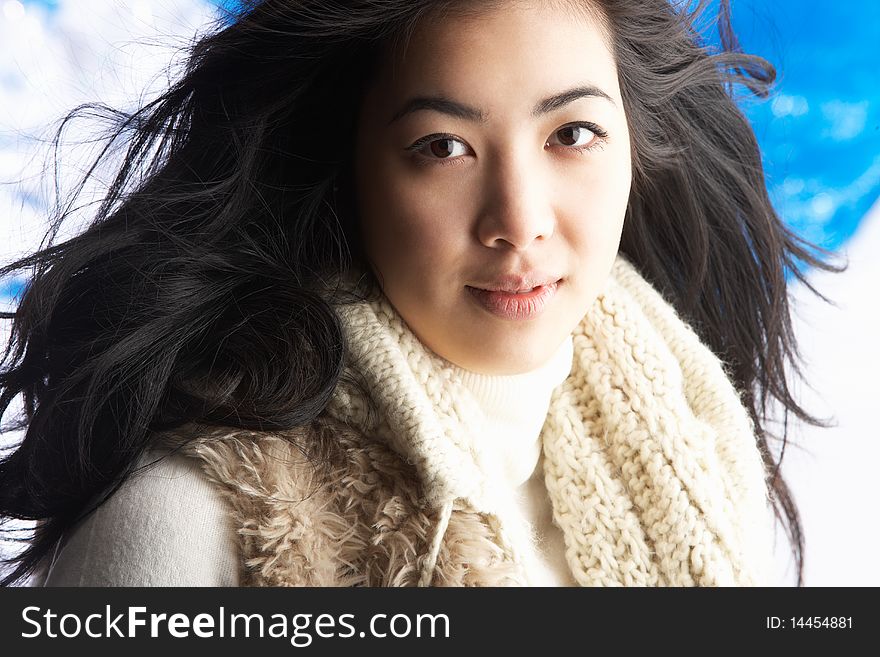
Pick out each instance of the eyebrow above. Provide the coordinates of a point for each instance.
(459, 110)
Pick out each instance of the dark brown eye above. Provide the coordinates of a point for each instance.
(572, 134)
(442, 148)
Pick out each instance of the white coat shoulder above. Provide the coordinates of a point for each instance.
(166, 526)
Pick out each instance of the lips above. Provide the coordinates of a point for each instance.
(513, 305)
(517, 283)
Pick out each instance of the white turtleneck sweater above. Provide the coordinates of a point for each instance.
(515, 408)
(168, 526)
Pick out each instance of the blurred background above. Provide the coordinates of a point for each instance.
(820, 137)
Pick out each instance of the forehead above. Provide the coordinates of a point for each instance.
(499, 56)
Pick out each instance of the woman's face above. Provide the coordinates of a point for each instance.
(495, 149)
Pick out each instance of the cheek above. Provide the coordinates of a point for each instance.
(596, 201)
(593, 213)
(408, 225)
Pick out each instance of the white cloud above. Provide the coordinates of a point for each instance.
(787, 105)
(51, 61)
(847, 119)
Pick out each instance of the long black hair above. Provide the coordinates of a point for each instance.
(199, 291)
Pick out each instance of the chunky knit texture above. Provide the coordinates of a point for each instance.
(650, 462)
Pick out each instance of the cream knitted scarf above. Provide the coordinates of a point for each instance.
(650, 460)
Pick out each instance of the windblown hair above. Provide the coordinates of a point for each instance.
(200, 291)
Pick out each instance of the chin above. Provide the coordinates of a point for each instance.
(507, 361)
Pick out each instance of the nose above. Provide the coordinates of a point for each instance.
(518, 208)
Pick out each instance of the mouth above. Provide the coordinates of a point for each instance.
(531, 289)
(516, 303)
(518, 284)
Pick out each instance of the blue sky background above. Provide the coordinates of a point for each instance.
(820, 133)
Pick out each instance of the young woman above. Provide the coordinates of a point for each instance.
(405, 292)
